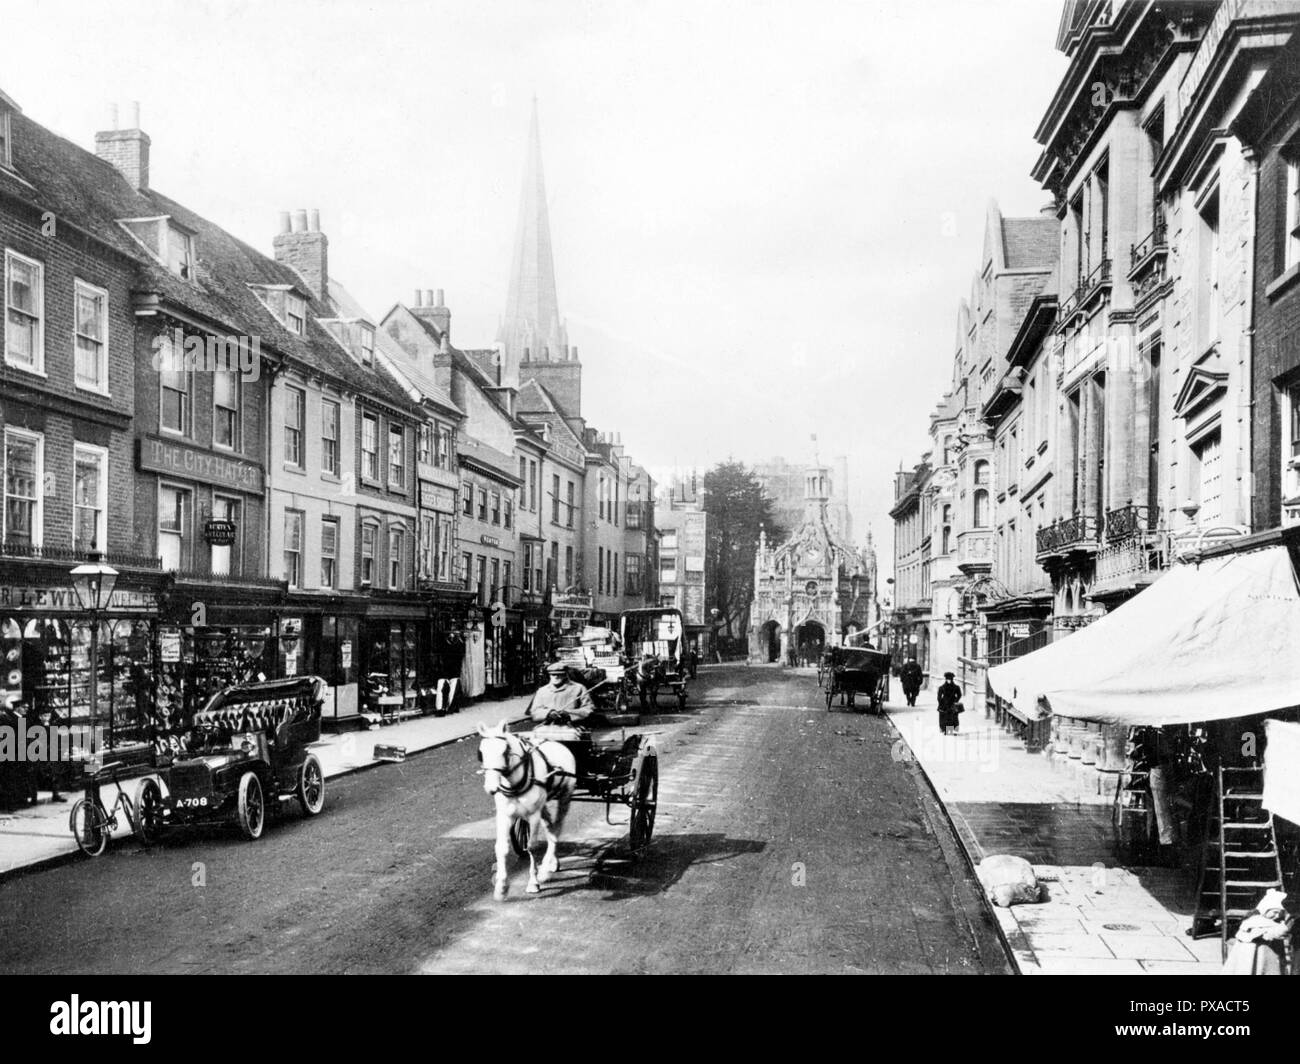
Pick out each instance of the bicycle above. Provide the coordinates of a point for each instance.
(92, 825)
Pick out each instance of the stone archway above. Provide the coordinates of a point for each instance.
(810, 641)
(769, 642)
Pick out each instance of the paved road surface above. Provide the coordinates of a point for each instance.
(788, 840)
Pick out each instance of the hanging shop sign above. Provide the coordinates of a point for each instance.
(219, 533)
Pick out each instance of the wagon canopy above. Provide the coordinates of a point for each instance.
(1207, 641)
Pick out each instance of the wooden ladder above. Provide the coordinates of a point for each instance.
(1240, 857)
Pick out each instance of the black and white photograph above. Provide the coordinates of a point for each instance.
(650, 487)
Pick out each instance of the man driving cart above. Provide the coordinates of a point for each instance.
(560, 696)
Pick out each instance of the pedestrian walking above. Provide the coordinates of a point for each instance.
(949, 695)
(910, 677)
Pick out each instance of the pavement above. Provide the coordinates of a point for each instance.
(39, 835)
(1100, 916)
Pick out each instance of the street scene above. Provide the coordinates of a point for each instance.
(651, 489)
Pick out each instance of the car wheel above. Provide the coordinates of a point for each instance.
(252, 808)
(311, 786)
(148, 812)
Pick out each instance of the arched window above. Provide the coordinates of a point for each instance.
(947, 531)
(981, 509)
(982, 474)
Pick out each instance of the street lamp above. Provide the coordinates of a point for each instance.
(93, 581)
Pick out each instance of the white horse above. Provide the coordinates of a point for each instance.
(525, 778)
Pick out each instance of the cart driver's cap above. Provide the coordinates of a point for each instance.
(556, 666)
(949, 675)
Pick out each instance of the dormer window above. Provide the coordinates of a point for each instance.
(180, 253)
(295, 313)
(366, 343)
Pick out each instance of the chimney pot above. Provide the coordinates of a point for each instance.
(314, 220)
(441, 302)
(300, 221)
(112, 116)
(419, 297)
(135, 115)
(284, 222)
(428, 297)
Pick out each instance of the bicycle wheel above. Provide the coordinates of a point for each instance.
(89, 827)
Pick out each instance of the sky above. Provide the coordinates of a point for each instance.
(763, 214)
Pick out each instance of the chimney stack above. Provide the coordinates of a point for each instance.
(429, 302)
(306, 250)
(127, 150)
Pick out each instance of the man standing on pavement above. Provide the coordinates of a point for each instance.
(910, 677)
(561, 695)
(949, 695)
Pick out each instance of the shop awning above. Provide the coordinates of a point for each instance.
(1206, 641)
(1282, 770)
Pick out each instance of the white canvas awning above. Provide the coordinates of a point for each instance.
(1282, 770)
(1204, 642)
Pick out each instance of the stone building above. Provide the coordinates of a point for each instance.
(813, 590)
(685, 571)
(784, 484)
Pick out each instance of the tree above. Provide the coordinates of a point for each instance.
(737, 507)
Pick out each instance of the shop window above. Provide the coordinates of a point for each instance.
(174, 524)
(89, 498)
(293, 522)
(24, 313)
(23, 478)
(90, 313)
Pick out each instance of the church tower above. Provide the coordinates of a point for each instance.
(534, 339)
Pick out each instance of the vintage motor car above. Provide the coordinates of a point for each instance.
(248, 749)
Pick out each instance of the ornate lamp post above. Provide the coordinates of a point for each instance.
(93, 581)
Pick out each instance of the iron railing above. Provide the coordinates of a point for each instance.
(12, 549)
(1077, 531)
(1154, 241)
(1129, 520)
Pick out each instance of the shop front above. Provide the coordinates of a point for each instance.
(62, 670)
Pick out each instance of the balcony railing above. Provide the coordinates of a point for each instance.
(1098, 280)
(1070, 533)
(1129, 520)
(11, 549)
(1126, 561)
(1151, 244)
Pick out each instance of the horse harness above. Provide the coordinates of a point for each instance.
(512, 790)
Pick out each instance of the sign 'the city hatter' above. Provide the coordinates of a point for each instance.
(179, 459)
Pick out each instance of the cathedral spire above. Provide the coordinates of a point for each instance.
(532, 318)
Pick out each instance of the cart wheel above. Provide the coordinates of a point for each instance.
(519, 837)
(830, 696)
(87, 821)
(311, 786)
(148, 812)
(252, 809)
(644, 804)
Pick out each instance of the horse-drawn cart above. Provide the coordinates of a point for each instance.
(854, 671)
(655, 641)
(611, 771)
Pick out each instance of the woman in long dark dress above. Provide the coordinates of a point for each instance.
(949, 695)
